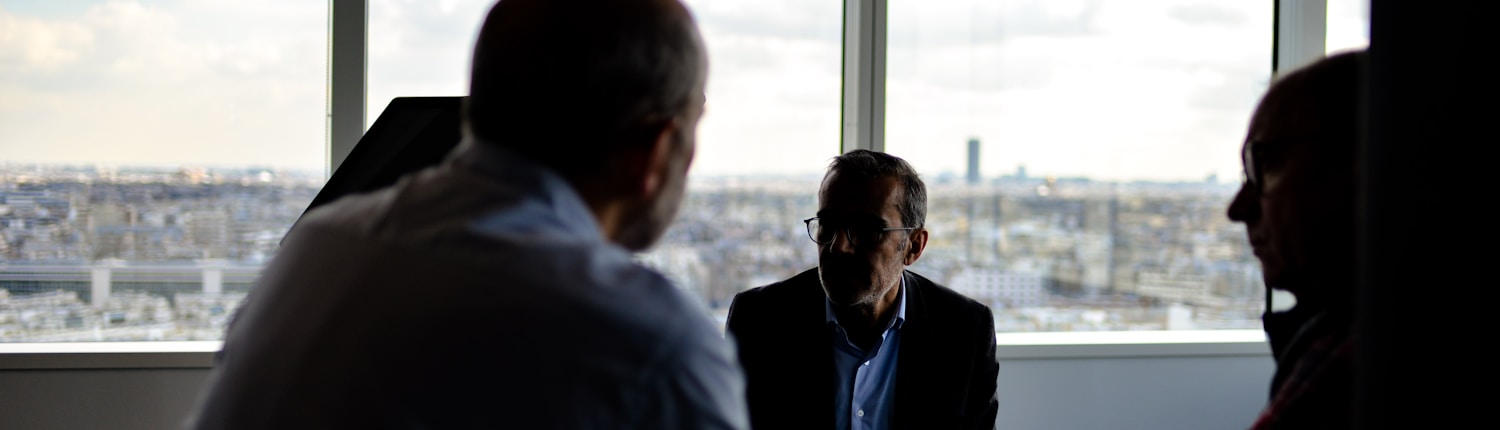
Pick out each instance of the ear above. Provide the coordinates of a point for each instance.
(916, 242)
(646, 162)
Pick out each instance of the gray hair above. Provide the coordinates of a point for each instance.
(871, 164)
(563, 81)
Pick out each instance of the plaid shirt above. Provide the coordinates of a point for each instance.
(1313, 387)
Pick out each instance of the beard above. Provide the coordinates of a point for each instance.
(851, 281)
(648, 222)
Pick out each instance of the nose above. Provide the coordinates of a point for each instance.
(842, 242)
(1245, 207)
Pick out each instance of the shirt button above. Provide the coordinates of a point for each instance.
(861, 413)
(866, 364)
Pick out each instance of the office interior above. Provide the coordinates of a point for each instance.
(1424, 297)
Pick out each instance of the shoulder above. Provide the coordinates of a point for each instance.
(425, 193)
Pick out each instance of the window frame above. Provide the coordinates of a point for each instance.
(1298, 39)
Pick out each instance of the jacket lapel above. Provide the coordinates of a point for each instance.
(818, 339)
(911, 357)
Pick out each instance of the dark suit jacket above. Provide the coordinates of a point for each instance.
(945, 370)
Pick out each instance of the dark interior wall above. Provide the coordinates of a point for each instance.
(1427, 302)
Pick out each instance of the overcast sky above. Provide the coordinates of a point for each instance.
(1138, 89)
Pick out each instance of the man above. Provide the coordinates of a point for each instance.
(859, 342)
(1298, 207)
(498, 290)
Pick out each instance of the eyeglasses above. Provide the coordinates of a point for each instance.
(1253, 172)
(1262, 155)
(823, 233)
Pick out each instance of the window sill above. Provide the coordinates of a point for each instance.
(1131, 344)
(108, 355)
(1012, 346)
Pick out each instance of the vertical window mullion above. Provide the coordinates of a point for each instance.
(347, 50)
(863, 106)
(1300, 33)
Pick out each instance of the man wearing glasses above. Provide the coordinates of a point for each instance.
(1298, 207)
(860, 342)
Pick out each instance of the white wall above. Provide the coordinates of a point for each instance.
(122, 399)
(1157, 393)
(1040, 388)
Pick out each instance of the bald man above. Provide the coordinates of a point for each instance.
(498, 290)
(1298, 207)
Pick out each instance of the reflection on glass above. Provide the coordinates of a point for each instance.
(154, 153)
(1080, 155)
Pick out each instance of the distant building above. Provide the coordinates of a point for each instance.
(1012, 289)
(1178, 287)
(973, 161)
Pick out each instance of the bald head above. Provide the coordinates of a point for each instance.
(1318, 101)
(566, 81)
(1298, 200)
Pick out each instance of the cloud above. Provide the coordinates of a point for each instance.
(1130, 92)
(772, 19)
(1146, 89)
(925, 24)
(420, 48)
(28, 43)
(192, 82)
(1207, 13)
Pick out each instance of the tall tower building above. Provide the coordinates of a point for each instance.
(973, 161)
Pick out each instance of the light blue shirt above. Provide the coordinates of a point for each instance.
(477, 294)
(866, 379)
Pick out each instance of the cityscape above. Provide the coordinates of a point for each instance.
(139, 254)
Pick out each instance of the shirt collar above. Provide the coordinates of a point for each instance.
(549, 191)
(896, 322)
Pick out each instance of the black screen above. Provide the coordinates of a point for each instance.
(411, 134)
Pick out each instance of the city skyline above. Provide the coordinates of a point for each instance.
(166, 253)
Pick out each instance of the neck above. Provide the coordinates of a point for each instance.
(866, 321)
(610, 217)
(609, 211)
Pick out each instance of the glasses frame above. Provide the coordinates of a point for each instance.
(848, 232)
(1248, 154)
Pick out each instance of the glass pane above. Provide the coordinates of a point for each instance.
(419, 48)
(770, 127)
(1081, 155)
(154, 153)
(1348, 25)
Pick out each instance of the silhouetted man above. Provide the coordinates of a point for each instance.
(498, 290)
(859, 342)
(1298, 207)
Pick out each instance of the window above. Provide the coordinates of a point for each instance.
(769, 128)
(1084, 150)
(154, 153)
(419, 48)
(1348, 25)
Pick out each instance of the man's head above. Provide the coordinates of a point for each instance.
(1298, 200)
(606, 93)
(878, 201)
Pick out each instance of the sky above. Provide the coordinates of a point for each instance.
(1108, 89)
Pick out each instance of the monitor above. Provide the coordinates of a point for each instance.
(411, 134)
